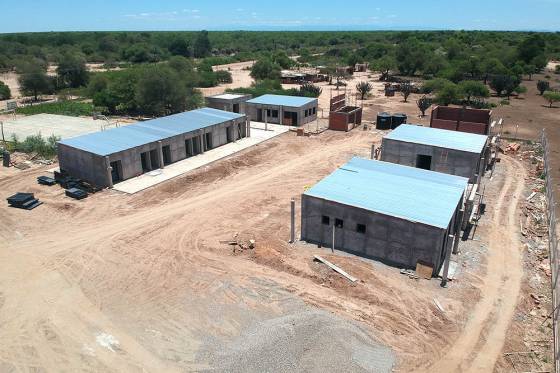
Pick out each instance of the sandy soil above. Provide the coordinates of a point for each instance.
(149, 271)
(240, 73)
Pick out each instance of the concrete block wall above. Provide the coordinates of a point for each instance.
(388, 239)
(93, 168)
(251, 110)
(448, 161)
(82, 164)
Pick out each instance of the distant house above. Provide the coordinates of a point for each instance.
(233, 102)
(279, 109)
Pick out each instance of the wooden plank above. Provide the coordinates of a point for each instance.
(335, 268)
(424, 270)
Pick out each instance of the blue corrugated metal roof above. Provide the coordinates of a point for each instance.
(279, 100)
(123, 138)
(468, 142)
(405, 192)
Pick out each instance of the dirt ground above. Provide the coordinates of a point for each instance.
(118, 282)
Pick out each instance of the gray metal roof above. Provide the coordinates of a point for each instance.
(404, 192)
(141, 133)
(280, 100)
(467, 142)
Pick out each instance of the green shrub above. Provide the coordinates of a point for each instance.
(5, 93)
(71, 108)
(224, 76)
(36, 144)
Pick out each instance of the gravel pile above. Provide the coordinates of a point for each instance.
(307, 341)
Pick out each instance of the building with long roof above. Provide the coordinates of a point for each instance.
(107, 157)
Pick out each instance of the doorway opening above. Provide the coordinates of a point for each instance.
(424, 161)
(116, 171)
(208, 140)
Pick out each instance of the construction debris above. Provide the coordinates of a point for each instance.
(335, 268)
(240, 244)
(45, 180)
(76, 193)
(410, 273)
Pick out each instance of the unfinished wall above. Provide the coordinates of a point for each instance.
(84, 165)
(461, 119)
(228, 104)
(389, 239)
(448, 161)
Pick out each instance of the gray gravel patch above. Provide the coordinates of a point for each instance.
(309, 340)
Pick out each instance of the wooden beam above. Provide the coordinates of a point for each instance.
(335, 268)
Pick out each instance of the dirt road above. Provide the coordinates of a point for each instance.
(480, 343)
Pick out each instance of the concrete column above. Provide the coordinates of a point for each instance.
(109, 172)
(293, 221)
(265, 119)
(149, 161)
(248, 124)
(458, 225)
(160, 154)
(202, 143)
(372, 151)
(446, 264)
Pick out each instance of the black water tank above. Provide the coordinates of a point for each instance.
(6, 159)
(383, 121)
(398, 119)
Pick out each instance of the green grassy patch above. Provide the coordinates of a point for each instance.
(71, 108)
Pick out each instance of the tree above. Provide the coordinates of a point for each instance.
(434, 85)
(180, 47)
(5, 93)
(364, 88)
(492, 66)
(529, 70)
(224, 76)
(384, 65)
(448, 94)
(504, 83)
(97, 83)
(551, 97)
(406, 90)
(520, 89)
(281, 59)
(531, 47)
(473, 89)
(34, 81)
(202, 46)
(160, 92)
(411, 56)
(424, 104)
(310, 90)
(265, 69)
(71, 72)
(542, 86)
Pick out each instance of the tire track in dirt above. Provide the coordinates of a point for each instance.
(472, 351)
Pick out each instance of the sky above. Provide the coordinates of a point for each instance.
(118, 15)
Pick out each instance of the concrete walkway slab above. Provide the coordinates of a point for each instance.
(258, 135)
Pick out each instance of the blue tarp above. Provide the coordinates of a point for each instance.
(404, 192)
(123, 138)
(279, 100)
(468, 142)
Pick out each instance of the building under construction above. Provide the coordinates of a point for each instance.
(461, 119)
(107, 157)
(234, 102)
(279, 109)
(396, 214)
(343, 117)
(450, 152)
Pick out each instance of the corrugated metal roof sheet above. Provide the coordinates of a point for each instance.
(405, 192)
(123, 138)
(279, 100)
(468, 142)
